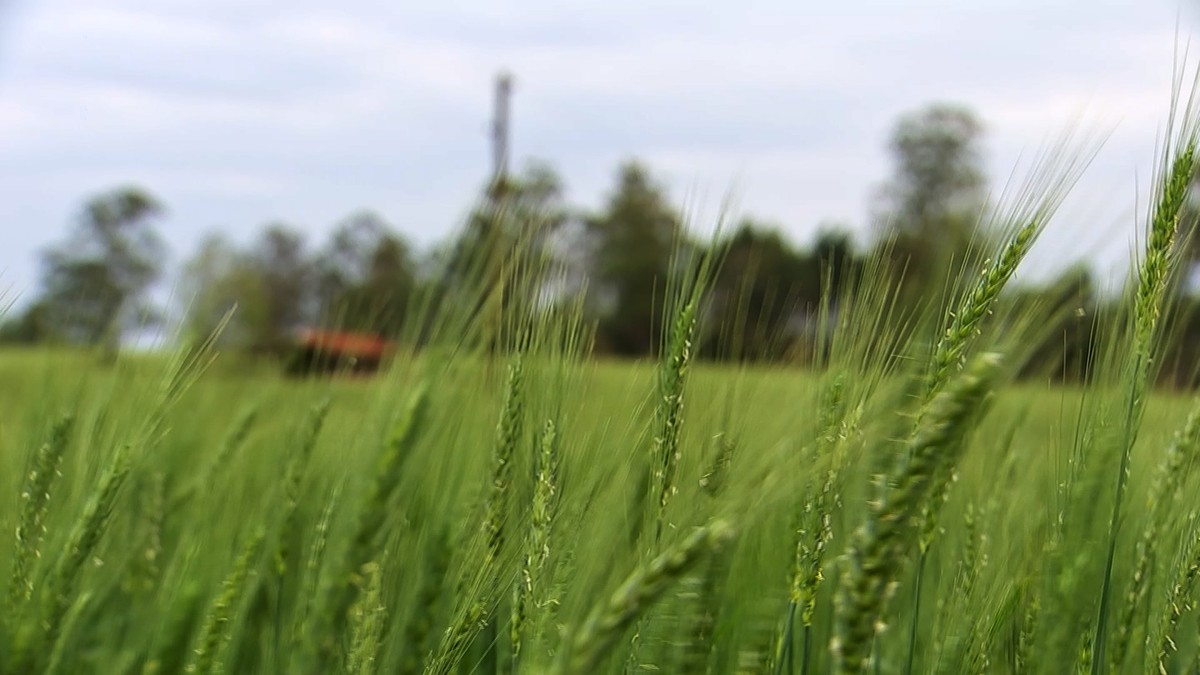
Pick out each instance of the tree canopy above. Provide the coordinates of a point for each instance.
(96, 282)
(524, 242)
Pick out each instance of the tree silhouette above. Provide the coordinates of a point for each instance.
(931, 204)
(629, 249)
(95, 284)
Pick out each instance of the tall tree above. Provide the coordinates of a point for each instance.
(497, 262)
(767, 293)
(511, 226)
(288, 277)
(30, 326)
(761, 288)
(366, 276)
(1072, 310)
(217, 281)
(932, 201)
(96, 284)
(836, 259)
(630, 245)
(270, 286)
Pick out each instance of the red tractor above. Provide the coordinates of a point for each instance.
(321, 351)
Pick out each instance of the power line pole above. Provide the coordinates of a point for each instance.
(500, 129)
(492, 312)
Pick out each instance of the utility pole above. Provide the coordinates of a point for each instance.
(500, 130)
(492, 313)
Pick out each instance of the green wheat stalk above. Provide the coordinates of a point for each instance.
(1180, 599)
(233, 441)
(35, 499)
(1165, 486)
(537, 551)
(292, 481)
(304, 627)
(84, 538)
(474, 613)
(421, 620)
(592, 642)
(70, 623)
(508, 433)
(1150, 296)
(373, 516)
(881, 546)
(367, 620)
(389, 471)
(951, 351)
(808, 569)
(669, 411)
(217, 628)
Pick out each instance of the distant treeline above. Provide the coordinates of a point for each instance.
(770, 299)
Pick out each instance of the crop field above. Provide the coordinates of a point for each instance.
(498, 501)
(456, 517)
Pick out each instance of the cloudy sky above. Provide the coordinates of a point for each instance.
(239, 112)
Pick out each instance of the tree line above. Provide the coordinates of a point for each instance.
(617, 261)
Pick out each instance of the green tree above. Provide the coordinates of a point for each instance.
(270, 286)
(1072, 308)
(498, 259)
(511, 225)
(288, 278)
(758, 292)
(366, 276)
(31, 326)
(629, 251)
(96, 284)
(836, 259)
(767, 294)
(219, 280)
(932, 202)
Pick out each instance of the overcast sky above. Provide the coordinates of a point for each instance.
(239, 112)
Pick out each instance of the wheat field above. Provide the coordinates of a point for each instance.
(499, 502)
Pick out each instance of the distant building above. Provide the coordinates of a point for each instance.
(320, 351)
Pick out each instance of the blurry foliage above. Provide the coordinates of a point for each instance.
(95, 284)
(523, 242)
(930, 206)
(628, 249)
